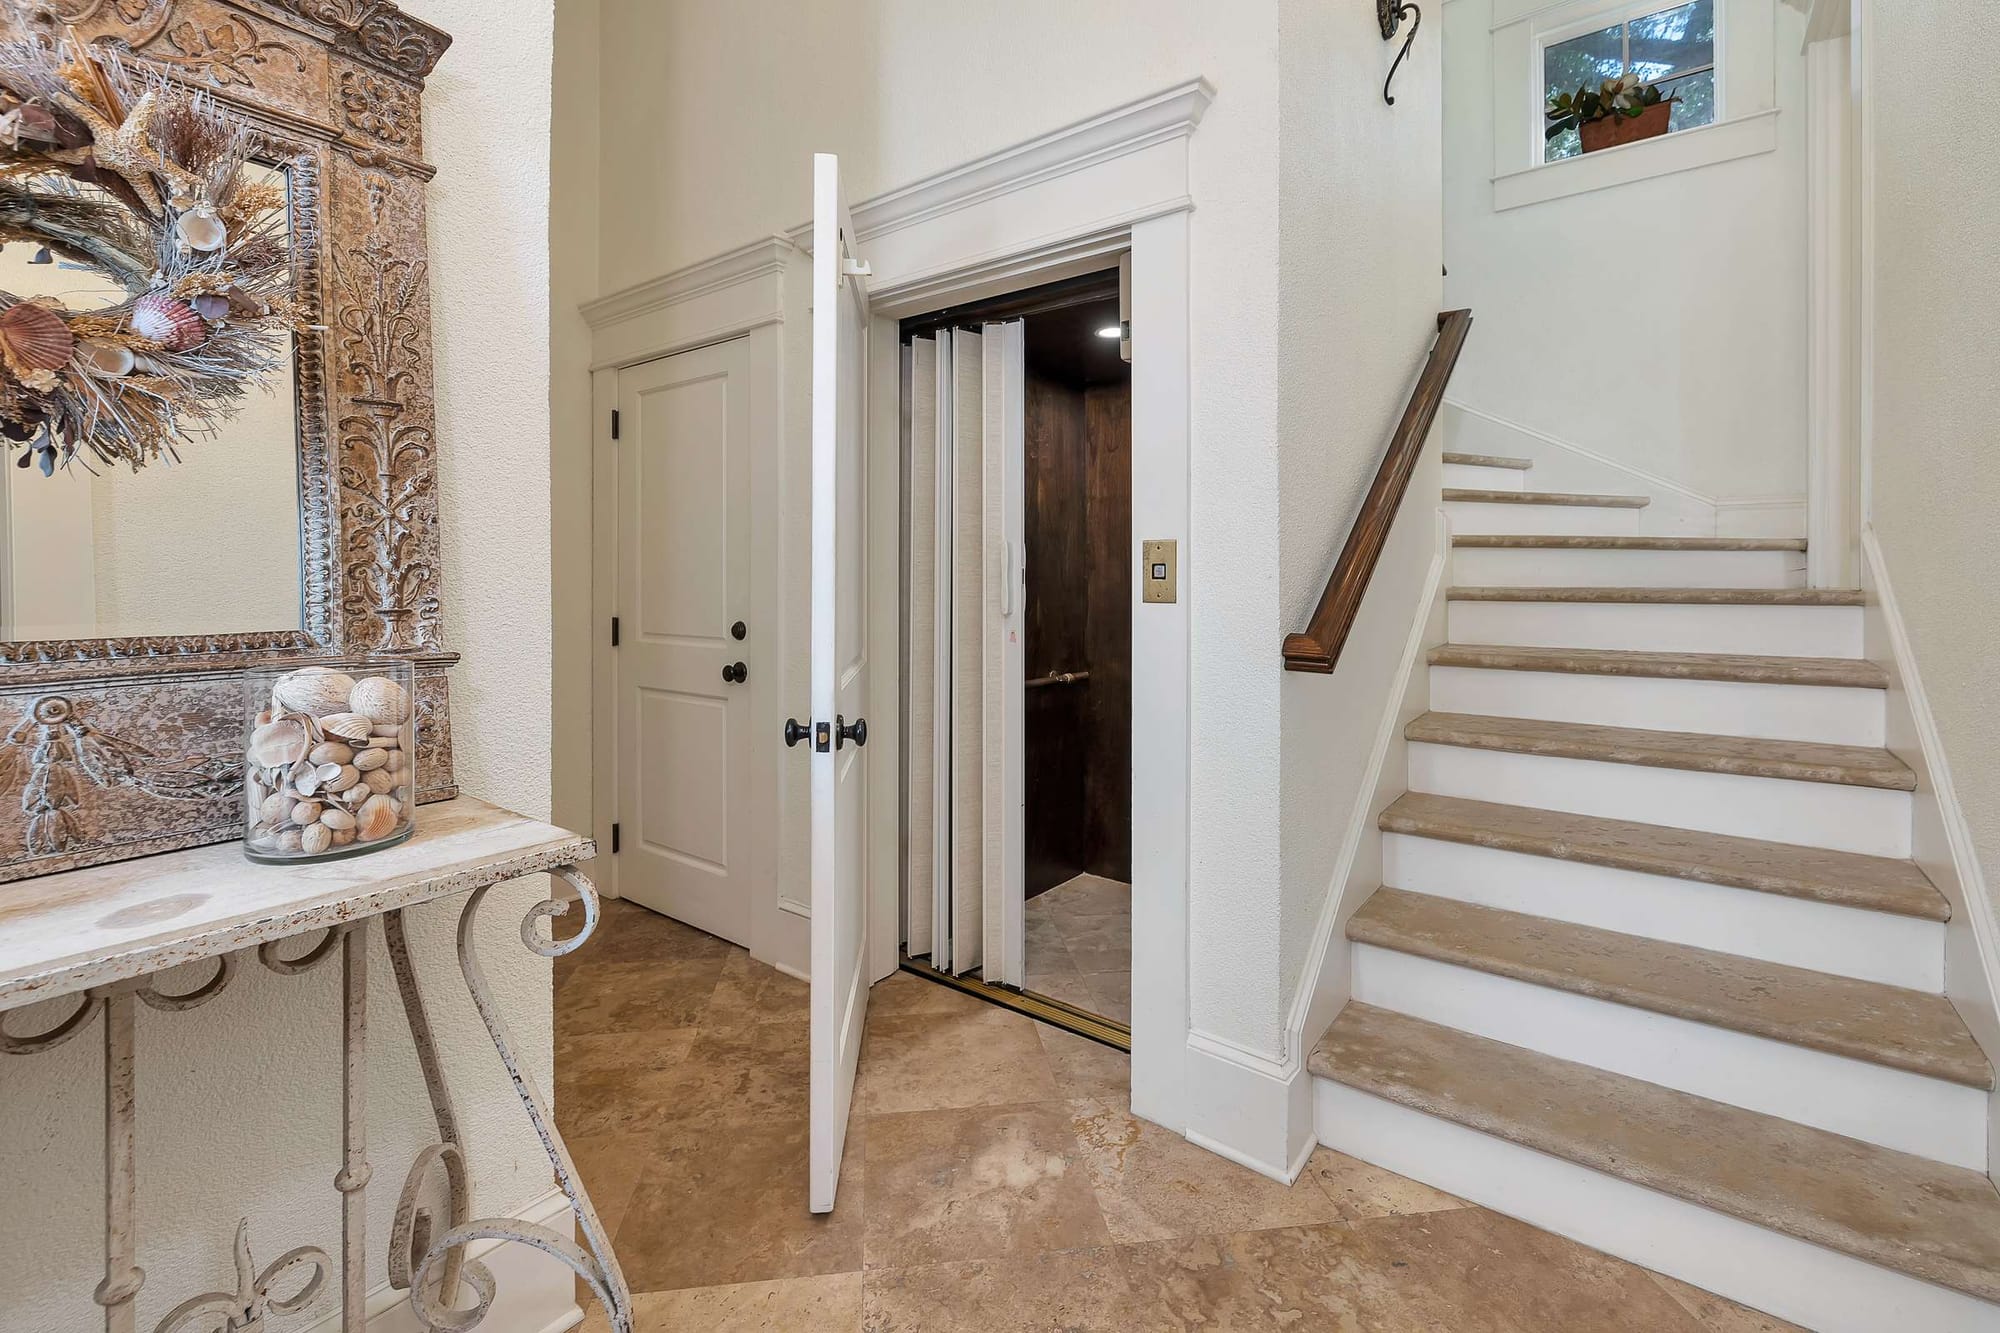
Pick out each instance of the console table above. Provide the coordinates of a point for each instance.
(102, 935)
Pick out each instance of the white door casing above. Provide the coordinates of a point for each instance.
(683, 578)
(839, 677)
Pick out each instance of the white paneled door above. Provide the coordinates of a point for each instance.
(837, 731)
(684, 725)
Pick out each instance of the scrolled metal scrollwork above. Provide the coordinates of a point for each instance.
(50, 1038)
(244, 1310)
(268, 955)
(225, 972)
(593, 1260)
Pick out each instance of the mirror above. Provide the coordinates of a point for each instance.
(208, 545)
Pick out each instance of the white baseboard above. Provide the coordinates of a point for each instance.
(533, 1293)
(1249, 1107)
(1941, 842)
(1805, 1283)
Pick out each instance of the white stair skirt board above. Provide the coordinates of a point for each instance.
(1793, 1279)
(1489, 518)
(1522, 567)
(1671, 627)
(1870, 820)
(1841, 715)
(1909, 1112)
(1478, 477)
(1799, 932)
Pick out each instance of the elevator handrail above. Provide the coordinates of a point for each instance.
(1318, 648)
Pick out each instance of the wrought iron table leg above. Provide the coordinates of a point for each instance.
(352, 1180)
(593, 1260)
(119, 1292)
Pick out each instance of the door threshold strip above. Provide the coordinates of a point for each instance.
(1036, 1006)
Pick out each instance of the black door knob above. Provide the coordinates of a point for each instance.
(844, 731)
(796, 731)
(735, 673)
(738, 631)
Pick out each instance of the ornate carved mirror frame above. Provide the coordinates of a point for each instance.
(115, 748)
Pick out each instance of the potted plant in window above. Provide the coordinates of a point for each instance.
(1617, 111)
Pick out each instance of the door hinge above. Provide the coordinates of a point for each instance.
(614, 631)
(614, 840)
(614, 423)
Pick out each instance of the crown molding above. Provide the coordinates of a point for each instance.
(1169, 114)
(760, 258)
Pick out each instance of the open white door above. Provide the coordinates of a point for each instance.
(839, 675)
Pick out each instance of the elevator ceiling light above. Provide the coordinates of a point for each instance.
(1111, 331)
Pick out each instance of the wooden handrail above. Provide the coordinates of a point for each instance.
(1319, 647)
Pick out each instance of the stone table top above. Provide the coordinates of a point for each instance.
(67, 932)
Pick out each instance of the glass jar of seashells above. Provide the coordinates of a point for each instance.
(330, 759)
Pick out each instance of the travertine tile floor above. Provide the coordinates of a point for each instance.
(1080, 945)
(995, 1182)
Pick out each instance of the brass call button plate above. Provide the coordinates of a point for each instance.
(1160, 576)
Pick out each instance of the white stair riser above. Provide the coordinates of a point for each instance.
(1520, 567)
(1908, 1112)
(1814, 814)
(1835, 714)
(1675, 627)
(1491, 518)
(1478, 477)
(1793, 1279)
(1845, 941)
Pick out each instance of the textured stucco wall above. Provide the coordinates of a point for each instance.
(1361, 263)
(239, 1100)
(1706, 268)
(1936, 400)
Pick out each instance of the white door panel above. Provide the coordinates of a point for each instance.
(683, 579)
(839, 678)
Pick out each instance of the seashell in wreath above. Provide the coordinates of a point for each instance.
(123, 172)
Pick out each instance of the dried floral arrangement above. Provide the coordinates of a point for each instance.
(144, 181)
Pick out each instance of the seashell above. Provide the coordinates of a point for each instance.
(380, 781)
(107, 359)
(305, 812)
(202, 229)
(344, 776)
(347, 726)
(312, 691)
(314, 840)
(377, 818)
(336, 819)
(331, 752)
(278, 743)
(397, 761)
(291, 840)
(272, 808)
(382, 701)
(369, 760)
(36, 337)
(389, 731)
(168, 321)
(384, 742)
(343, 837)
(211, 306)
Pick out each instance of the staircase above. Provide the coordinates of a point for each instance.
(1650, 965)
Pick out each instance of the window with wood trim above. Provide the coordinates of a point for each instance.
(1673, 46)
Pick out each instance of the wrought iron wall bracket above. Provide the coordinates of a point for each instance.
(1391, 13)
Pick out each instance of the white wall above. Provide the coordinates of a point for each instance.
(1362, 256)
(239, 1100)
(1660, 322)
(1935, 415)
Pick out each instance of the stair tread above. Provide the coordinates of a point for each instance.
(1934, 1222)
(1546, 498)
(1696, 596)
(1847, 879)
(1557, 542)
(1748, 756)
(1490, 460)
(1744, 667)
(1863, 1020)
